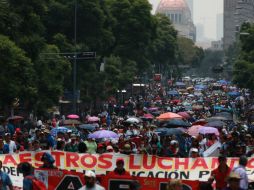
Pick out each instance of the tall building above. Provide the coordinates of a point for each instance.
(200, 32)
(190, 4)
(236, 12)
(219, 26)
(180, 15)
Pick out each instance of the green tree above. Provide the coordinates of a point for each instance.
(244, 65)
(16, 74)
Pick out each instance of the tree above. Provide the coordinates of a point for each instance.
(16, 74)
(51, 69)
(244, 65)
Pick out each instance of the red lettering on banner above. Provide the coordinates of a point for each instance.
(199, 162)
(233, 161)
(25, 157)
(184, 163)
(145, 162)
(8, 159)
(250, 163)
(37, 158)
(162, 166)
(105, 160)
(215, 163)
(57, 158)
(88, 165)
(72, 159)
(132, 165)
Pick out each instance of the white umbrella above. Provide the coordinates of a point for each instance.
(133, 120)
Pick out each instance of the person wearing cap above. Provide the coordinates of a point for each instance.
(234, 182)
(48, 161)
(73, 145)
(110, 148)
(241, 170)
(119, 170)
(90, 180)
(194, 153)
(100, 148)
(221, 173)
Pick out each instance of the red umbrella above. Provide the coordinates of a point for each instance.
(185, 115)
(15, 117)
(168, 116)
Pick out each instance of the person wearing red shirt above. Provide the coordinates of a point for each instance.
(119, 170)
(221, 173)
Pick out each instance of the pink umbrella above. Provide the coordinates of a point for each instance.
(194, 130)
(73, 116)
(168, 116)
(148, 116)
(185, 115)
(209, 130)
(93, 119)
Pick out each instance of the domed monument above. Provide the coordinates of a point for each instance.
(180, 15)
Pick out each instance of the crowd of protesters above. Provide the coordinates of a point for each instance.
(199, 102)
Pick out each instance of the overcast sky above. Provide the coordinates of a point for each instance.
(205, 12)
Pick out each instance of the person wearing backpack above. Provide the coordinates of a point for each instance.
(30, 182)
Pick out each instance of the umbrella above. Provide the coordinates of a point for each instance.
(71, 122)
(103, 134)
(153, 109)
(194, 130)
(15, 117)
(93, 119)
(197, 107)
(216, 124)
(234, 93)
(173, 93)
(156, 113)
(180, 84)
(168, 116)
(176, 123)
(73, 129)
(148, 116)
(133, 120)
(209, 130)
(56, 130)
(200, 122)
(217, 118)
(185, 115)
(169, 131)
(227, 115)
(89, 127)
(200, 86)
(222, 82)
(73, 116)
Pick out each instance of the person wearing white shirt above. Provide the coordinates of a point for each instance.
(12, 144)
(90, 179)
(241, 170)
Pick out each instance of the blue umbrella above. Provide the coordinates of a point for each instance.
(180, 84)
(200, 86)
(234, 93)
(89, 127)
(173, 93)
(56, 130)
(169, 131)
(223, 82)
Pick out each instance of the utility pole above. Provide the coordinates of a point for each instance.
(75, 61)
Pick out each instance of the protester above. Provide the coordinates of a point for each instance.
(90, 180)
(221, 173)
(119, 170)
(175, 184)
(241, 171)
(5, 181)
(233, 182)
(48, 161)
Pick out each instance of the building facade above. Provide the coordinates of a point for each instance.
(236, 12)
(190, 4)
(180, 16)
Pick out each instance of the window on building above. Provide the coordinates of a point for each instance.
(180, 18)
(176, 18)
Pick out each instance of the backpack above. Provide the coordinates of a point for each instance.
(36, 184)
